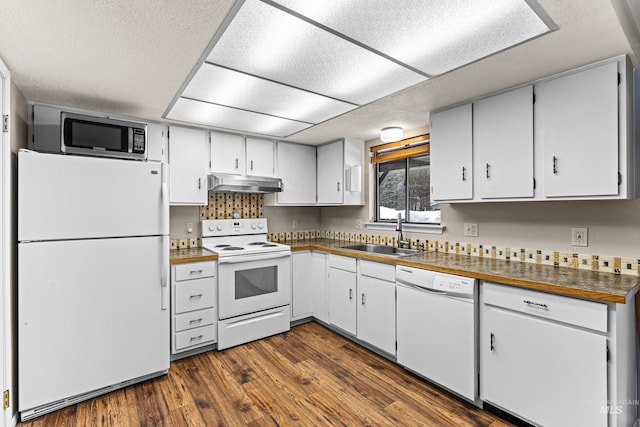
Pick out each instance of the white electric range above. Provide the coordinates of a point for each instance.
(254, 280)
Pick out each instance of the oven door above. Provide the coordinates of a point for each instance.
(251, 283)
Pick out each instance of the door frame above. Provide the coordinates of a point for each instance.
(7, 379)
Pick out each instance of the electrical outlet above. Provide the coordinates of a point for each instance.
(358, 224)
(470, 230)
(188, 227)
(295, 224)
(579, 236)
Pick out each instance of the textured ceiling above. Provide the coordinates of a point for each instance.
(132, 57)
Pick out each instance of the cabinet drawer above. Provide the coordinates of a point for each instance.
(587, 314)
(342, 262)
(197, 336)
(195, 295)
(195, 319)
(195, 270)
(378, 270)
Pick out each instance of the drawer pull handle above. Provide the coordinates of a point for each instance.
(195, 296)
(198, 338)
(535, 304)
(191, 322)
(363, 299)
(350, 294)
(196, 271)
(406, 270)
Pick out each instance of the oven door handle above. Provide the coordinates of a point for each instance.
(236, 260)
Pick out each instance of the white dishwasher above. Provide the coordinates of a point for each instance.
(437, 328)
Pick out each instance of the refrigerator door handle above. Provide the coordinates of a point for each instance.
(164, 278)
(165, 198)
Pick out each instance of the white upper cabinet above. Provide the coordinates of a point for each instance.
(340, 173)
(157, 142)
(452, 154)
(227, 153)
(296, 166)
(577, 131)
(571, 139)
(237, 155)
(259, 157)
(503, 145)
(187, 169)
(330, 184)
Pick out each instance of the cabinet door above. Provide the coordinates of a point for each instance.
(342, 299)
(330, 173)
(548, 373)
(503, 144)
(319, 283)
(577, 130)
(301, 286)
(187, 167)
(259, 157)
(377, 313)
(157, 142)
(452, 154)
(227, 153)
(296, 166)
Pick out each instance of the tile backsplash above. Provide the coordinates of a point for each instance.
(223, 205)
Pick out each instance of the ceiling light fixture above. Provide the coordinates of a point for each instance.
(391, 134)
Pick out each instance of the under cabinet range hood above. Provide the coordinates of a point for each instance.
(219, 182)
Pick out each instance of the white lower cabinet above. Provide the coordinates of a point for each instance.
(194, 305)
(302, 288)
(362, 300)
(318, 279)
(342, 292)
(376, 312)
(544, 357)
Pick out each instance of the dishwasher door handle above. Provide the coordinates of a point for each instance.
(421, 288)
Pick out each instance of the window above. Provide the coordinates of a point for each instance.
(403, 182)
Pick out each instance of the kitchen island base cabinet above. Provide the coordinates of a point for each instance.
(193, 307)
(554, 360)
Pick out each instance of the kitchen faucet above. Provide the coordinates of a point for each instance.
(400, 242)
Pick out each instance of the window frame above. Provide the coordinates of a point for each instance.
(407, 213)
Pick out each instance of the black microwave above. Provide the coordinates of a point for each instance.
(102, 136)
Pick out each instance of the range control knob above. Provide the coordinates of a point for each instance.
(253, 225)
(261, 226)
(212, 227)
(219, 227)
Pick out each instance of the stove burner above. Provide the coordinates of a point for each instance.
(232, 248)
(221, 246)
(257, 243)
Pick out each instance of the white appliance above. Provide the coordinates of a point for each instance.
(437, 328)
(93, 271)
(254, 280)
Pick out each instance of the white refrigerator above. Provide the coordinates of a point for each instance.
(93, 271)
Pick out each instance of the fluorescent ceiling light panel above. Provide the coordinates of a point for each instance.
(218, 116)
(233, 89)
(433, 36)
(266, 42)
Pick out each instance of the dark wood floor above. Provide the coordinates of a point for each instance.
(307, 377)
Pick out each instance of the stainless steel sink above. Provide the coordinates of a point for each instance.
(382, 249)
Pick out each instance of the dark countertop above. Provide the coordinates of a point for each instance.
(559, 280)
(179, 256)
